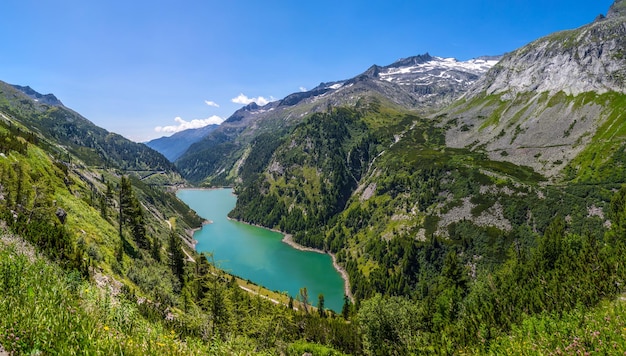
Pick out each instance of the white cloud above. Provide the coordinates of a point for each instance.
(193, 124)
(211, 103)
(303, 89)
(242, 99)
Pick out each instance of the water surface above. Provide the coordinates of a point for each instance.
(259, 254)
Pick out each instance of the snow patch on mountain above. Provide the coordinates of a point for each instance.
(438, 68)
(336, 86)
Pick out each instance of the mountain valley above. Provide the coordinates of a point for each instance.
(478, 207)
(416, 83)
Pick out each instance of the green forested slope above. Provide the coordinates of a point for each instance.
(66, 133)
(95, 259)
(449, 232)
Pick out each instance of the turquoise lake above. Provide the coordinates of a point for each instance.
(258, 254)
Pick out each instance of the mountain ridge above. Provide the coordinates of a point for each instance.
(174, 146)
(215, 156)
(617, 9)
(75, 134)
(49, 99)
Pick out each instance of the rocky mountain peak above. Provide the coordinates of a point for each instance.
(372, 71)
(48, 99)
(617, 9)
(251, 107)
(412, 61)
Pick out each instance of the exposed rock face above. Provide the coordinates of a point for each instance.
(617, 9)
(540, 106)
(61, 214)
(436, 80)
(591, 58)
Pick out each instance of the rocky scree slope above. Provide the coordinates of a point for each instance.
(543, 104)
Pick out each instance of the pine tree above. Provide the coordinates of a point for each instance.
(320, 305)
(119, 250)
(345, 310)
(132, 214)
(156, 249)
(177, 257)
(103, 206)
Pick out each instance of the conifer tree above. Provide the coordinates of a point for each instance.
(132, 214)
(320, 305)
(155, 251)
(345, 310)
(177, 257)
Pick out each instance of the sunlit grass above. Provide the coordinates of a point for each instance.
(46, 310)
(596, 331)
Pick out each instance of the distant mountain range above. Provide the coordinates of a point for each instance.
(422, 83)
(174, 146)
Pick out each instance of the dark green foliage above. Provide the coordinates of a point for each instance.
(176, 256)
(261, 150)
(131, 214)
(206, 157)
(345, 309)
(337, 144)
(564, 272)
(155, 251)
(10, 141)
(387, 325)
(320, 306)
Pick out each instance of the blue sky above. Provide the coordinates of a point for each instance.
(134, 66)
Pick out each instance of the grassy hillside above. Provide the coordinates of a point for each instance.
(50, 310)
(97, 259)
